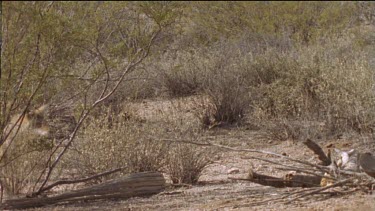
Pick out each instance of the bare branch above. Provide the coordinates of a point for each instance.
(339, 183)
(207, 143)
(130, 67)
(65, 182)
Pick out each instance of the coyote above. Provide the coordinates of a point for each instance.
(348, 160)
(28, 127)
(32, 122)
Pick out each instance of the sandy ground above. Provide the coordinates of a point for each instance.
(216, 191)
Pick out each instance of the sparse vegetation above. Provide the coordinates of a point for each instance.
(186, 162)
(137, 145)
(25, 157)
(127, 143)
(293, 69)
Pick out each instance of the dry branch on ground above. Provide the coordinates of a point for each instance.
(327, 175)
(138, 184)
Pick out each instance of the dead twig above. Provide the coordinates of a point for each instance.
(207, 143)
(306, 171)
(344, 177)
(65, 182)
(339, 183)
(278, 199)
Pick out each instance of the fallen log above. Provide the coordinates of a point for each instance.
(289, 180)
(74, 181)
(138, 184)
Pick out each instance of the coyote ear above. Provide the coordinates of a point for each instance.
(43, 131)
(39, 110)
(351, 152)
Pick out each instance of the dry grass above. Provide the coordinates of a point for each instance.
(329, 82)
(23, 163)
(186, 162)
(136, 144)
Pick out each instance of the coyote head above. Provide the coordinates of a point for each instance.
(33, 122)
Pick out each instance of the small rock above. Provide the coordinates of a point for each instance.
(233, 171)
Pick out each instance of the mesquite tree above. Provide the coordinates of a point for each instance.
(77, 53)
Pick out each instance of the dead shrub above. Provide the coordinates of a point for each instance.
(186, 162)
(181, 83)
(126, 143)
(328, 82)
(204, 112)
(316, 84)
(225, 86)
(181, 75)
(142, 86)
(24, 161)
(147, 155)
(288, 129)
(229, 97)
(282, 131)
(184, 78)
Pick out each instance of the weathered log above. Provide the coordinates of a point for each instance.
(289, 180)
(74, 181)
(318, 151)
(138, 184)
